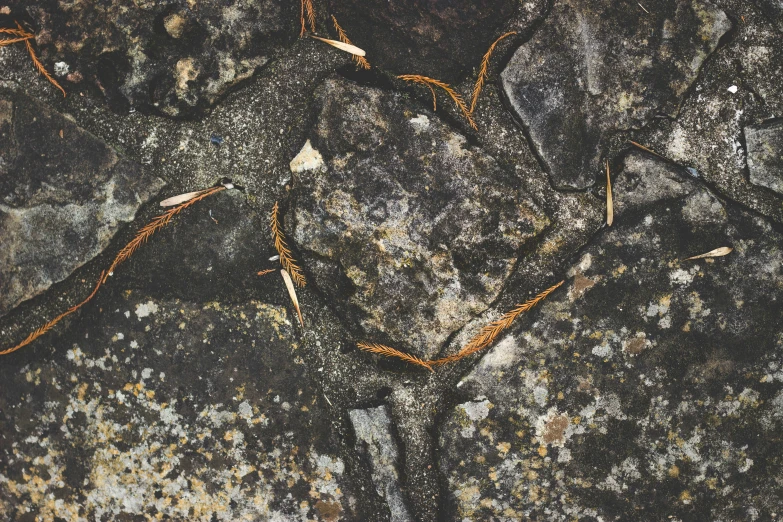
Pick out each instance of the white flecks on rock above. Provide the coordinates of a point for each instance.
(146, 309)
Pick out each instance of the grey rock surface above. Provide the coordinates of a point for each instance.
(135, 425)
(597, 68)
(647, 389)
(172, 57)
(63, 195)
(774, 10)
(412, 231)
(765, 155)
(373, 429)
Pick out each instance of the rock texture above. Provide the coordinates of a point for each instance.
(408, 229)
(597, 68)
(373, 429)
(135, 426)
(63, 195)
(765, 155)
(173, 57)
(427, 37)
(649, 388)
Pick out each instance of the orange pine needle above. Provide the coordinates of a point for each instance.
(482, 77)
(490, 332)
(16, 32)
(361, 61)
(307, 16)
(265, 272)
(9, 41)
(153, 226)
(388, 351)
(424, 80)
(286, 258)
(38, 64)
(48, 326)
(645, 149)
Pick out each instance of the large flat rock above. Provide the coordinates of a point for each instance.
(598, 67)
(649, 387)
(408, 229)
(63, 195)
(168, 409)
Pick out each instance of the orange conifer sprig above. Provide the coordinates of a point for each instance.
(361, 61)
(36, 61)
(286, 258)
(388, 351)
(490, 332)
(430, 82)
(482, 77)
(307, 17)
(48, 326)
(156, 224)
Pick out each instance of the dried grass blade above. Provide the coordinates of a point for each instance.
(490, 332)
(718, 252)
(348, 48)
(48, 326)
(292, 294)
(609, 205)
(424, 80)
(286, 259)
(178, 200)
(482, 77)
(388, 351)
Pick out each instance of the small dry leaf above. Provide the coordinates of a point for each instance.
(718, 252)
(292, 293)
(178, 200)
(348, 48)
(609, 205)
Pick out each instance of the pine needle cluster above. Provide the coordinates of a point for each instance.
(361, 61)
(430, 82)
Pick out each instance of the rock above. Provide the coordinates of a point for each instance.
(646, 389)
(409, 230)
(738, 88)
(171, 57)
(176, 410)
(433, 38)
(596, 68)
(64, 195)
(765, 155)
(774, 10)
(374, 437)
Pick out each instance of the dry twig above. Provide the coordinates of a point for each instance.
(489, 333)
(265, 272)
(361, 61)
(286, 259)
(482, 77)
(388, 351)
(429, 82)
